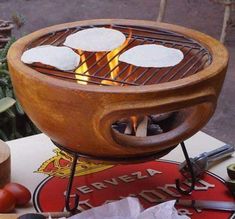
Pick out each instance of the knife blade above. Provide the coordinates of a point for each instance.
(206, 204)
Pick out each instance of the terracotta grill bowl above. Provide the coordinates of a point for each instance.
(79, 116)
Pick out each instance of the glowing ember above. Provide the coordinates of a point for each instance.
(83, 69)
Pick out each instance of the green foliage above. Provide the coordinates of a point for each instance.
(3, 52)
(14, 123)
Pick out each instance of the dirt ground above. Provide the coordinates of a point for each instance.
(203, 15)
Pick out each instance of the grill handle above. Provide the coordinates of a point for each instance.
(187, 122)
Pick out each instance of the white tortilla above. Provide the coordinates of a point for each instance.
(62, 58)
(152, 55)
(96, 39)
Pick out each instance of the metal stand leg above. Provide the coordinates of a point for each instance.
(69, 188)
(193, 178)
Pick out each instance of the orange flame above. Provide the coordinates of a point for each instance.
(100, 60)
(113, 58)
(82, 79)
(134, 122)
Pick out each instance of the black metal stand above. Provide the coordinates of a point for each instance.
(74, 209)
(191, 171)
(68, 197)
(69, 188)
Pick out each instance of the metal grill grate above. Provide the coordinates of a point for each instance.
(99, 71)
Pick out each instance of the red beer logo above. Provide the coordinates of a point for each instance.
(150, 182)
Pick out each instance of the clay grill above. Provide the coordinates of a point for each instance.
(77, 110)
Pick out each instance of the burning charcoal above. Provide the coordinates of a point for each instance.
(159, 117)
(154, 129)
(120, 126)
(128, 130)
(141, 130)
